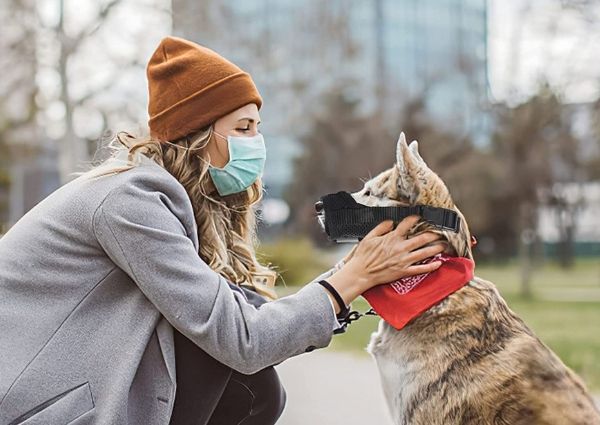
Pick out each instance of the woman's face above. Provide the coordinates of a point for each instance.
(242, 122)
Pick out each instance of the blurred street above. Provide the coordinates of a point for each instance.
(333, 388)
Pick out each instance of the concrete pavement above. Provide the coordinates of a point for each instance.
(326, 387)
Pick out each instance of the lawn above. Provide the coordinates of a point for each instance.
(564, 312)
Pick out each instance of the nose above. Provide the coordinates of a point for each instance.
(319, 206)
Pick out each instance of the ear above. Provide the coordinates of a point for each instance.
(414, 150)
(408, 158)
(407, 166)
(401, 147)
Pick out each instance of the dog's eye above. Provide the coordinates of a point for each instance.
(368, 193)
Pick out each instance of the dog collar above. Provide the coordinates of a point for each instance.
(401, 301)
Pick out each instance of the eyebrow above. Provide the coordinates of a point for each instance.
(249, 119)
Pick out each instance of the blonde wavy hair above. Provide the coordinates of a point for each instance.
(226, 224)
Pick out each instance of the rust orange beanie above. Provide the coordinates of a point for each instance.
(191, 86)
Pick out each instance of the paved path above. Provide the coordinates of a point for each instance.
(326, 387)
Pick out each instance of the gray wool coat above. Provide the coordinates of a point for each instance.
(92, 281)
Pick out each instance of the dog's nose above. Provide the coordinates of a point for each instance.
(319, 206)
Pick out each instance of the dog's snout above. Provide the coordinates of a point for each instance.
(319, 206)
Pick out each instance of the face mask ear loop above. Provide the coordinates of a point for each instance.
(220, 135)
(228, 149)
(176, 145)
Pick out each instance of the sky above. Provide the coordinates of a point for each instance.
(548, 44)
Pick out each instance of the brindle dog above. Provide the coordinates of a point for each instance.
(469, 359)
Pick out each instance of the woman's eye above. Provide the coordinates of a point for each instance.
(243, 129)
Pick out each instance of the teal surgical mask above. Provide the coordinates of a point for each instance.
(247, 157)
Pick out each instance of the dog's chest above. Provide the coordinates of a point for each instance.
(400, 368)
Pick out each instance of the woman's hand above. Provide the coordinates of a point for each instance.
(385, 255)
(350, 254)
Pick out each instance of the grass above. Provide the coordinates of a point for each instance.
(564, 312)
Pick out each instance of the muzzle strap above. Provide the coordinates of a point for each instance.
(347, 220)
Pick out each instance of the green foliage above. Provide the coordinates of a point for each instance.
(296, 259)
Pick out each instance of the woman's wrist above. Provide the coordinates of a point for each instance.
(340, 308)
(348, 282)
(338, 266)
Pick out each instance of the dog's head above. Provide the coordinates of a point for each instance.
(409, 182)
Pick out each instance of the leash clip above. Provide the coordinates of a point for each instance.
(352, 317)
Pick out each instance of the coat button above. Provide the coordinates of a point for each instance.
(309, 348)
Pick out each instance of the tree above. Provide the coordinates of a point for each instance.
(535, 142)
(19, 132)
(339, 148)
(471, 173)
(592, 163)
(343, 146)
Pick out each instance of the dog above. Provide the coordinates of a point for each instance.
(469, 359)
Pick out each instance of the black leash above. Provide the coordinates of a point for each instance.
(352, 317)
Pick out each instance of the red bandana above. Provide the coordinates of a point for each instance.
(401, 301)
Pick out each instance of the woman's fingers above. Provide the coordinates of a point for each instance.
(420, 240)
(405, 225)
(423, 268)
(381, 229)
(377, 255)
(426, 252)
(401, 229)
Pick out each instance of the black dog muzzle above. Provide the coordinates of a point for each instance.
(345, 220)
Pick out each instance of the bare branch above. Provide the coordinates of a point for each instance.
(84, 35)
(133, 63)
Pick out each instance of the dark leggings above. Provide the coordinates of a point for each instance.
(256, 399)
(210, 393)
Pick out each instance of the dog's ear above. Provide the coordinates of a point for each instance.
(400, 153)
(414, 149)
(418, 183)
(407, 165)
(408, 158)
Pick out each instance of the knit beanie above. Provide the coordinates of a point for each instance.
(191, 86)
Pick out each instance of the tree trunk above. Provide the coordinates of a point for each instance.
(526, 241)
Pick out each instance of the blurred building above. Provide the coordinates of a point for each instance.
(575, 220)
(387, 51)
(428, 47)
(32, 178)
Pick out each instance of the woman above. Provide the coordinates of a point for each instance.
(130, 295)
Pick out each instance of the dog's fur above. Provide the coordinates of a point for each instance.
(469, 359)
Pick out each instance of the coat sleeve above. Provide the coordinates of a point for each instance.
(143, 229)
